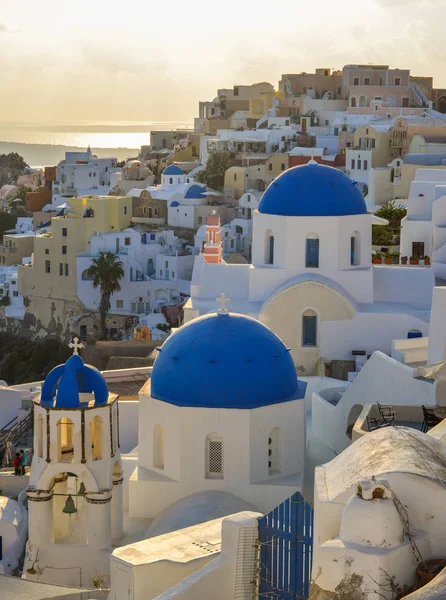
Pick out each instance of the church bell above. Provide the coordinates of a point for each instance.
(69, 508)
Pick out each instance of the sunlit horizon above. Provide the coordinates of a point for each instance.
(108, 62)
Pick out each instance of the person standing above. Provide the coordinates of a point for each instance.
(17, 463)
(24, 458)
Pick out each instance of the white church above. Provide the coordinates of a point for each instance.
(223, 428)
(311, 279)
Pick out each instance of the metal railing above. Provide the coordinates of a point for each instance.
(11, 435)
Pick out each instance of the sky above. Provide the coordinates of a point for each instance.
(106, 60)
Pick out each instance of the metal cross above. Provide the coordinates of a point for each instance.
(76, 345)
(223, 301)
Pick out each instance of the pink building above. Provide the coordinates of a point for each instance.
(382, 91)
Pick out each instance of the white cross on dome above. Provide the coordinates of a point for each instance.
(223, 301)
(76, 346)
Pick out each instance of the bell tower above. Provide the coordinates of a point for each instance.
(213, 252)
(75, 491)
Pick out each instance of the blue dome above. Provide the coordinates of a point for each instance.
(195, 191)
(64, 383)
(225, 361)
(173, 170)
(175, 203)
(313, 190)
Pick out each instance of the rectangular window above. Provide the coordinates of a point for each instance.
(119, 303)
(312, 253)
(64, 249)
(60, 268)
(353, 163)
(373, 142)
(127, 241)
(380, 81)
(355, 80)
(270, 167)
(173, 274)
(309, 337)
(405, 102)
(47, 251)
(47, 266)
(365, 165)
(235, 177)
(66, 269)
(64, 232)
(166, 264)
(359, 163)
(366, 80)
(418, 249)
(397, 81)
(15, 294)
(125, 209)
(282, 167)
(214, 457)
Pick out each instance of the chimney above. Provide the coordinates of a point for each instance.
(212, 245)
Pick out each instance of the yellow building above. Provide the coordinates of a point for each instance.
(240, 179)
(376, 139)
(260, 105)
(49, 285)
(15, 247)
(275, 165)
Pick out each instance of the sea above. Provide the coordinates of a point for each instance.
(45, 144)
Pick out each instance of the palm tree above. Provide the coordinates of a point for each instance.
(106, 271)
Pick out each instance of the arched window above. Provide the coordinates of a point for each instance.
(362, 102)
(158, 446)
(355, 249)
(150, 212)
(275, 451)
(309, 328)
(214, 457)
(96, 438)
(86, 275)
(269, 247)
(39, 440)
(65, 440)
(414, 333)
(392, 101)
(353, 101)
(312, 251)
(115, 429)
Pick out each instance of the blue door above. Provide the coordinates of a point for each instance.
(286, 550)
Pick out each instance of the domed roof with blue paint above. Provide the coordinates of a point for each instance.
(313, 190)
(195, 191)
(64, 384)
(173, 170)
(225, 360)
(175, 203)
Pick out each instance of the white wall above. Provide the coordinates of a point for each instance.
(382, 379)
(245, 434)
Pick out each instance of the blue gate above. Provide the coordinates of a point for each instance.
(286, 546)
